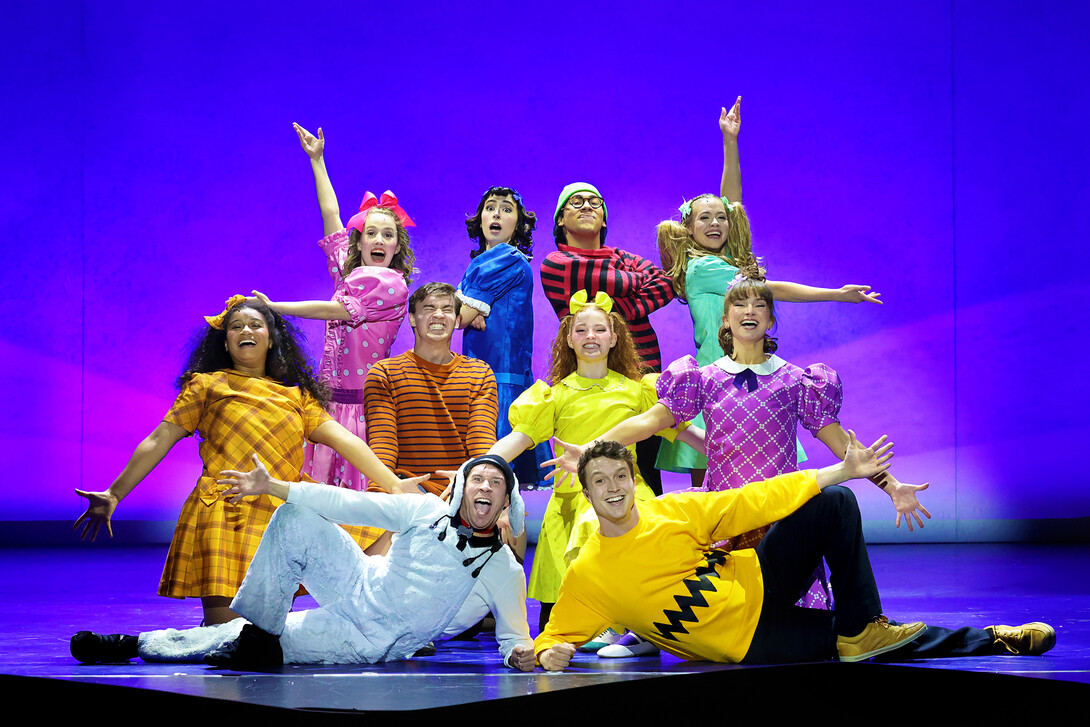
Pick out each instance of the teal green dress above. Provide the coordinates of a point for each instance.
(706, 281)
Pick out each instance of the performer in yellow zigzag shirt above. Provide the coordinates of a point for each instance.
(651, 568)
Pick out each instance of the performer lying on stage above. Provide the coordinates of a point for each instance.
(651, 568)
(446, 568)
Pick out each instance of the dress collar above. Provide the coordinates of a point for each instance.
(612, 380)
(773, 364)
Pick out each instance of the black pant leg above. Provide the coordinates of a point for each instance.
(828, 526)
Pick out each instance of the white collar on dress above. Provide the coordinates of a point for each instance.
(773, 364)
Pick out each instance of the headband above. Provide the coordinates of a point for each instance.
(388, 201)
(217, 321)
(686, 207)
(579, 301)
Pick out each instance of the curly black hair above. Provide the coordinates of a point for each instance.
(287, 362)
(522, 239)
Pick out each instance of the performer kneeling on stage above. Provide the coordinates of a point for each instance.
(651, 567)
(446, 568)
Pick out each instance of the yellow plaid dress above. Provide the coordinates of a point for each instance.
(237, 416)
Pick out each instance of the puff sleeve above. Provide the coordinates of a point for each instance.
(492, 276)
(534, 413)
(649, 397)
(821, 397)
(679, 389)
(335, 247)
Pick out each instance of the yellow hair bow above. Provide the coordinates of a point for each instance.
(217, 321)
(579, 301)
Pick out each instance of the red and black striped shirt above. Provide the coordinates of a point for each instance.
(637, 287)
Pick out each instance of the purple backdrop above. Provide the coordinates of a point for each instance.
(933, 150)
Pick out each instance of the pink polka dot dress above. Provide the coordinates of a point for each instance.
(375, 299)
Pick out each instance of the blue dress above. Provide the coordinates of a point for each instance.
(499, 284)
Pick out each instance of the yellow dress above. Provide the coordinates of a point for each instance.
(576, 410)
(237, 416)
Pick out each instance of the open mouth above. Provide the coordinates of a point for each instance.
(750, 325)
(482, 506)
(378, 255)
(241, 344)
(496, 227)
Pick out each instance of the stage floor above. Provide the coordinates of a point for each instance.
(53, 592)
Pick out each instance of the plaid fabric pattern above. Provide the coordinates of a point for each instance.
(236, 416)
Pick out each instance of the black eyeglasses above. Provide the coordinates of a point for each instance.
(576, 202)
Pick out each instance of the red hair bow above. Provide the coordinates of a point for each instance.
(387, 201)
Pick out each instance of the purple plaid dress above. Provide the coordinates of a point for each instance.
(752, 413)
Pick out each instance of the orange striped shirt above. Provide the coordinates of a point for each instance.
(423, 416)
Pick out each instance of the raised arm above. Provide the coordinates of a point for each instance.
(314, 146)
(798, 293)
(903, 495)
(730, 124)
(322, 310)
(148, 454)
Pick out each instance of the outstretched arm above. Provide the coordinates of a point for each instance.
(858, 462)
(511, 446)
(148, 454)
(322, 310)
(314, 146)
(798, 293)
(903, 495)
(360, 456)
(634, 429)
(730, 124)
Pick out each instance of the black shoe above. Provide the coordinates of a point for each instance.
(253, 650)
(91, 648)
(428, 650)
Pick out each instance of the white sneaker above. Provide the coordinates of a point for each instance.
(628, 645)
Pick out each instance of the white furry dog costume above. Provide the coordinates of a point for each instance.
(437, 579)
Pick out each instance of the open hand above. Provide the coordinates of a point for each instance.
(449, 490)
(245, 484)
(858, 294)
(411, 485)
(100, 508)
(314, 146)
(860, 462)
(731, 123)
(908, 507)
(256, 297)
(565, 466)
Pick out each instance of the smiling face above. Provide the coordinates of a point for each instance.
(379, 242)
(748, 318)
(484, 497)
(499, 216)
(708, 223)
(584, 221)
(434, 318)
(248, 339)
(591, 335)
(611, 489)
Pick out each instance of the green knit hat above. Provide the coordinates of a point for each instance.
(571, 189)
